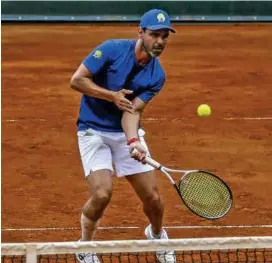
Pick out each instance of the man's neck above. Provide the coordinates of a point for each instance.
(142, 56)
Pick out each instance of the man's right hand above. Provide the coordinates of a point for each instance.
(121, 102)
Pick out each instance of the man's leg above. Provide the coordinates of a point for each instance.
(100, 190)
(96, 159)
(145, 185)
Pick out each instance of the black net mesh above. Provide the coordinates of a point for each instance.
(212, 256)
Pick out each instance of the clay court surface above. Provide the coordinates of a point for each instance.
(226, 66)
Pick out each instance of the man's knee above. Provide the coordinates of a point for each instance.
(101, 197)
(153, 200)
(95, 206)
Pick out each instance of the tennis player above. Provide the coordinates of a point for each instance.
(117, 80)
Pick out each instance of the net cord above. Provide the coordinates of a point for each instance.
(116, 246)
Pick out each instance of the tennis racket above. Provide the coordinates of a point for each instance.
(204, 193)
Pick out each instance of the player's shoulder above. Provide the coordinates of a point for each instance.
(120, 43)
(119, 48)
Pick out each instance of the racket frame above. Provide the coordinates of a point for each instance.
(165, 170)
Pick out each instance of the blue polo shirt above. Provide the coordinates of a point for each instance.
(114, 67)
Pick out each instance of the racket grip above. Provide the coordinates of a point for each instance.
(153, 163)
(150, 161)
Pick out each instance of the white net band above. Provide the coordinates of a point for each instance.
(189, 244)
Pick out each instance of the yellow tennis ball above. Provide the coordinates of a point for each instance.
(204, 110)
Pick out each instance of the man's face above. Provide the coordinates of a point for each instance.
(154, 41)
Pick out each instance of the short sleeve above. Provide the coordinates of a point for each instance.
(100, 56)
(148, 94)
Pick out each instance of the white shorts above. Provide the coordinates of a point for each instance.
(101, 150)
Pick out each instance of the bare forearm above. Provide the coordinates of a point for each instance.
(88, 87)
(130, 124)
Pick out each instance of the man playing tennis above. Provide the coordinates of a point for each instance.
(117, 80)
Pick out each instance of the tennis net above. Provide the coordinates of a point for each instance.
(190, 250)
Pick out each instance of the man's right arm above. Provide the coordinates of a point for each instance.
(82, 82)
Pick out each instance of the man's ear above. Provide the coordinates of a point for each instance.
(141, 32)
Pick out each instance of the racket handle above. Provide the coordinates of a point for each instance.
(150, 161)
(153, 163)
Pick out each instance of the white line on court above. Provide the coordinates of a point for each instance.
(150, 119)
(133, 227)
(248, 118)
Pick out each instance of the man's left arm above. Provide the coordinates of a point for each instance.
(131, 121)
(130, 125)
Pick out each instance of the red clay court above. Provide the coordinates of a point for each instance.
(227, 66)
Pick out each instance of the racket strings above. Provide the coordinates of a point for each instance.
(205, 194)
